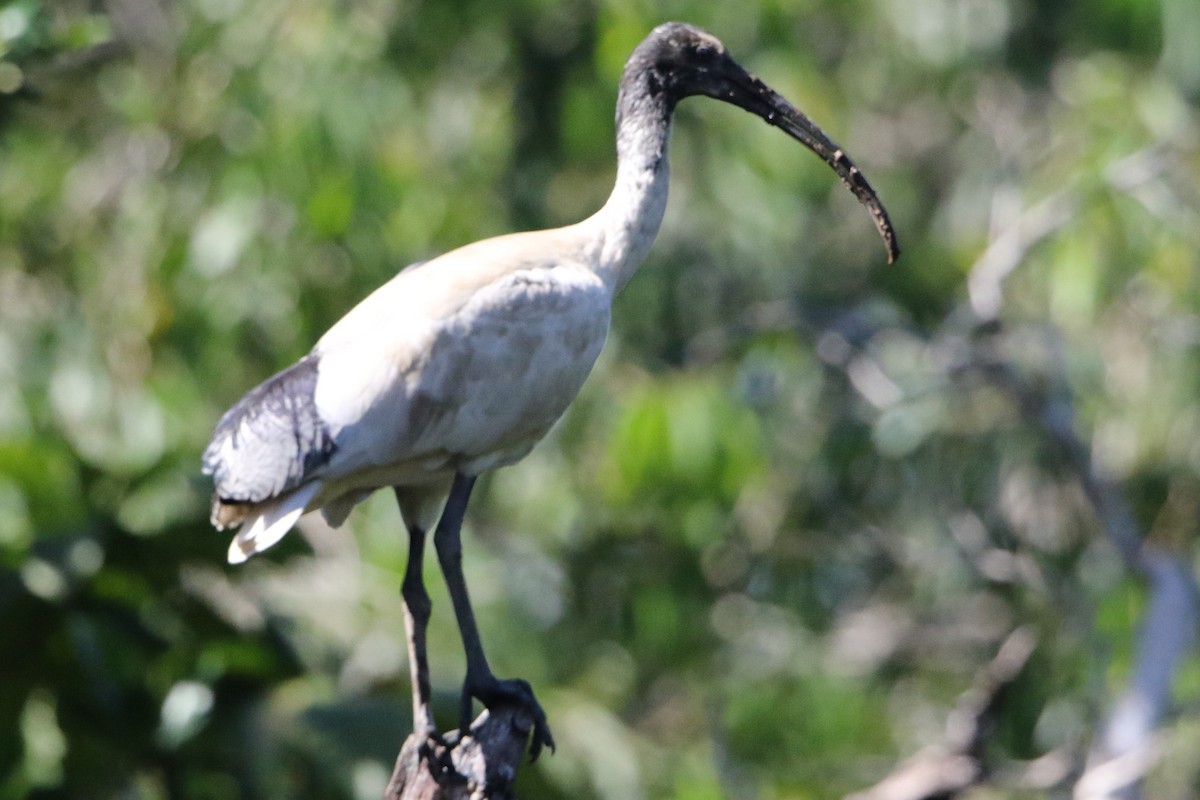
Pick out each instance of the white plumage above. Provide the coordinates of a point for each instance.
(459, 364)
(462, 363)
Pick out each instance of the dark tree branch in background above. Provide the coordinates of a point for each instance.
(945, 771)
(481, 766)
(1125, 747)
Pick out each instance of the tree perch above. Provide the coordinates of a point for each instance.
(480, 766)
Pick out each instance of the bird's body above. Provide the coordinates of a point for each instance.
(458, 364)
(461, 364)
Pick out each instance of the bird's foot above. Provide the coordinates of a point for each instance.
(493, 693)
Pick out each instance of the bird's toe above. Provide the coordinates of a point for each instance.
(495, 693)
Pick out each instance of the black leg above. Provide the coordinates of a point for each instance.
(417, 607)
(480, 682)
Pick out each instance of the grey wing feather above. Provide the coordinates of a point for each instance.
(272, 439)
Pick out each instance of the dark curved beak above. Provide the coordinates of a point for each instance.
(735, 85)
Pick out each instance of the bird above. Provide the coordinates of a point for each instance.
(460, 364)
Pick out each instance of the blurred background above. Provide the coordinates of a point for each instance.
(801, 506)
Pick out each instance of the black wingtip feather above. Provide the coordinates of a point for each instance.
(277, 435)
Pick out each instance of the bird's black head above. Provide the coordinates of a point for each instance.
(681, 60)
(677, 60)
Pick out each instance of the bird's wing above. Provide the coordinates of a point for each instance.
(272, 440)
(477, 351)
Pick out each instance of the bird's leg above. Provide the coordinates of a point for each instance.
(417, 608)
(480, 683)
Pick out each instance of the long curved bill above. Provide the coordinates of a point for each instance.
(746, 91)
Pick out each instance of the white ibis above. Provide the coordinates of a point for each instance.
(461, 364)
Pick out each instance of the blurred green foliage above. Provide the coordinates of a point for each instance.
(786, 522)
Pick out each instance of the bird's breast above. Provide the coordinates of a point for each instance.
(527, 351)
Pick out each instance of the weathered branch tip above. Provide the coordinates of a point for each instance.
(479, 766)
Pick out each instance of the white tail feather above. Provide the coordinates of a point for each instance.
(270, 523)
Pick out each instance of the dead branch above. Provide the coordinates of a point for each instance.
(479, 766)
(1009, 248)
(1128, 746)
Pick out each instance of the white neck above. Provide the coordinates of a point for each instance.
(627, 224)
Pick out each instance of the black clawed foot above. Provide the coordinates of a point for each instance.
(493, 692)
